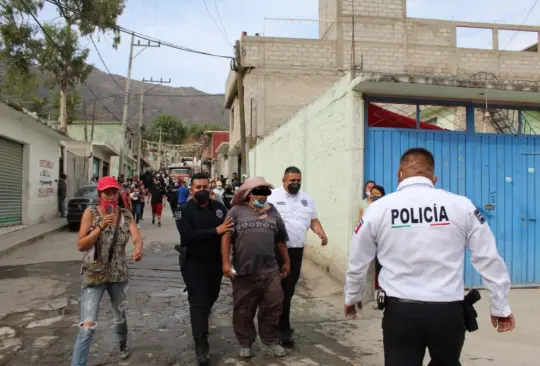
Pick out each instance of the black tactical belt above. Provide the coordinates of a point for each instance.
(395, 299)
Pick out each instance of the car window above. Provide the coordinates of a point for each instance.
(90, 192)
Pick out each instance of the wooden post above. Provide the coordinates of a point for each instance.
(240, 88)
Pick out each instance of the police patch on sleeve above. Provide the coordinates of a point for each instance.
(479, 216)
(360, 223)
(178, 214)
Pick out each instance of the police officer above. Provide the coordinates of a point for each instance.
(201, 223)
(419, 235)
(299, 214)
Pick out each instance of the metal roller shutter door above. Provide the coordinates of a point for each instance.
(11, 173)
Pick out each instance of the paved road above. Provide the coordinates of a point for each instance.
(40, 289)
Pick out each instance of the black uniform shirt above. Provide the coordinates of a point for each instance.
(197, 228)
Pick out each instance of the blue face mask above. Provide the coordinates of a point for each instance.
(258, 204)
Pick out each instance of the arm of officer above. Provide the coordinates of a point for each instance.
(188, 233)
(486, 260)
(362, 251)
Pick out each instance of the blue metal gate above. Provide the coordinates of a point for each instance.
(498, 172)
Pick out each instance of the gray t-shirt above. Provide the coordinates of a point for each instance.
(255, 239)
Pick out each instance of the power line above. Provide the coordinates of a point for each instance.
(104, 64)
(221, 22)
(148, 38)
(60, 51)
(214, 21)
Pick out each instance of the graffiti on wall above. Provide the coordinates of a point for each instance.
(46, 180)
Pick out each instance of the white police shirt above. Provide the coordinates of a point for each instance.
(419, 235)
(297, 212)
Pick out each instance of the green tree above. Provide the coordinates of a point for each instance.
(72, 99)
(58, 53)
(172, 130)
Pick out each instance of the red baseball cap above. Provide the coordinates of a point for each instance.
(107, 182)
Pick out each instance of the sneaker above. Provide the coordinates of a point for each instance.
(159, 224)
(245, 352)
(124, 353)
(276, 350)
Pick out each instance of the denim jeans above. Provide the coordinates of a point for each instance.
(136, 207)
(90, 300)
(62, 206)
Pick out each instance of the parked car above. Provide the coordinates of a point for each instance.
(84, 197)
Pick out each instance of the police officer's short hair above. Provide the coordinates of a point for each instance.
(199, 176)
(292, 170)
(419, 152)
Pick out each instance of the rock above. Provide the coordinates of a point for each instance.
(43, 342)
(7, 332)
(44, 322)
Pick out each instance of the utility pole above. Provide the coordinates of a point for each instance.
(93, 122)
(159, 150)
(126, 98)
(85, 124)
(141, 117)
(240, 89)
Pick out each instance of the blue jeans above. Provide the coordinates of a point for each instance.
(136, 210)
(62, 206)
(90, 300)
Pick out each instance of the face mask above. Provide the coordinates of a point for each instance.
(368, 194)
(259, 204)
(294, 188)
(202, 197)
(374, 198)
(107, 204)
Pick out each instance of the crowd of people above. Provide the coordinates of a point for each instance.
(254, 234)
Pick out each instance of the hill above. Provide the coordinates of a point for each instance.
(190, 105)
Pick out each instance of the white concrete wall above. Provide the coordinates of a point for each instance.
(324, 140)
(41, 144)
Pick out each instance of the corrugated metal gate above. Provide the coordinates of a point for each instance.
(11, 173)
(498, 172)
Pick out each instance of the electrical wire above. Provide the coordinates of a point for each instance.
(60, 51)
(104, 64)
(221, 22)
(214, 21)
(515, 34)
(149, 38)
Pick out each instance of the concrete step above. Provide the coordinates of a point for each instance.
(30, 234)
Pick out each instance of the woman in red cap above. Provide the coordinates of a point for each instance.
(104, 233)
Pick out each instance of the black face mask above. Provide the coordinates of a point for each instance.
(202, 197)
(374, 198)
(294, 188)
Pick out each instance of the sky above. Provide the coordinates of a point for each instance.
(189, 23)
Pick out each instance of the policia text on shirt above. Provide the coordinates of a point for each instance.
(420, 234)
(201, 222)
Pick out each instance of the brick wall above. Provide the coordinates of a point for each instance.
(374, 8)
(328, 11)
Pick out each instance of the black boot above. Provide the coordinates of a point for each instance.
(202, 349)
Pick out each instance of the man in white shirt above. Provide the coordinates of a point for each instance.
(419, 235)
(299, 214)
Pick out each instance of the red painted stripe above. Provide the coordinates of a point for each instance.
(440, 224)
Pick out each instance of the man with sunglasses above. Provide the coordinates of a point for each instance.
(298, 211)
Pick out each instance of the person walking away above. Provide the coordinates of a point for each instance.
(105, 230)
(126, 199)
(201, 222)
(62, 194)
(183, 192)
(172, 196)
(137, 199)
(157, 199)
(364, 204)
(420, 234)
(258, 231)
(299, 213)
